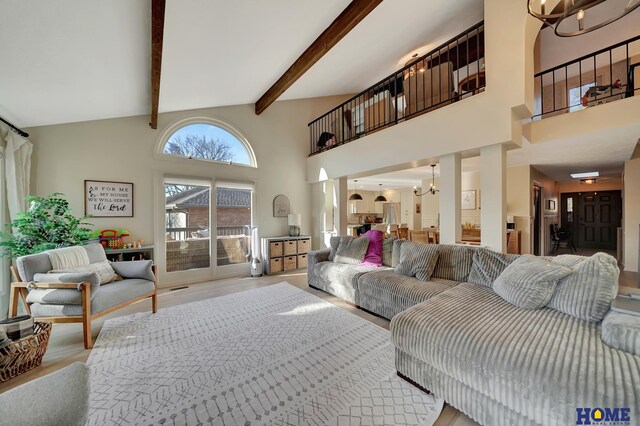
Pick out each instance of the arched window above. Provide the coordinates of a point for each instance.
(209, 140)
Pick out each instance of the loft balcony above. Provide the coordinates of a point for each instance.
(447, 74)
(600, 77)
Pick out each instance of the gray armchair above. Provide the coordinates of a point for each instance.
(79, 299)
(60, 398)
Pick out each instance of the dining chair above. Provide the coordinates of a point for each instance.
(418, 236)
(403, 233)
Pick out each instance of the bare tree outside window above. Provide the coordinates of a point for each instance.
(200, 146)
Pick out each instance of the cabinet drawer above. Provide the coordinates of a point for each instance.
(304, 246)
(290, 248)
(290, 263)
(276, 265)
(276, 249)
(302, 261)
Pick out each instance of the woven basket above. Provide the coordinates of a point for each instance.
(22, 355)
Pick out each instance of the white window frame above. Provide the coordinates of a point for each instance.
(172, 128)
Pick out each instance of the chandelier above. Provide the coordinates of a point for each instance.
(432, 187)
(568, 18)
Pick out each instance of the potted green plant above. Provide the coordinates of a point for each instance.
(47, 224)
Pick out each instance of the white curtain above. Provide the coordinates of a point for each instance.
(17, 165)
(15, 170)
(4, 262)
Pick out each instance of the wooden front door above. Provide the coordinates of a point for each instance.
(595, 219)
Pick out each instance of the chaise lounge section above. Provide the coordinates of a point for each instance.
(464, 334)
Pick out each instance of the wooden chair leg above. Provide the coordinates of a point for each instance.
(13, 301)
(86, 315)
(154, 303)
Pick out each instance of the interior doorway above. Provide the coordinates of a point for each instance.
(592, 218)
(537, 218)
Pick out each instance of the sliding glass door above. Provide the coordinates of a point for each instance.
(234, 222)
(207, 228)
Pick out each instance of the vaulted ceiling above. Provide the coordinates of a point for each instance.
(77, 60)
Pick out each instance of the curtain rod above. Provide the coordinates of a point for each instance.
(15, 129)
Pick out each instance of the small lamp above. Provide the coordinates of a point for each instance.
(295, 220)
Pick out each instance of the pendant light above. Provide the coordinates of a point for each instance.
(432, 188)
(380, 198)
(570, 14)
(355, 196)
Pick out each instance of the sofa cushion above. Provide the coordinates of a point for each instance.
(395, 255)
(542, 364)
(387, 251)
(373, 256)
(386, 293)
(340, 279)
(488, 265)
(351, 251)
(588, 292)
(334, 242)
(417, 260)
(529, 282)
(454, 262)
(622, 331)
(106, 297)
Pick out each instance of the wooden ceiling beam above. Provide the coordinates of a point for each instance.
(355, 12)
(157, 33)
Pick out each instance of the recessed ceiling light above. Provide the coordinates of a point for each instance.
(585, 175)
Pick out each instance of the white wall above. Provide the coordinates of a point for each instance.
(123, 150)
(631, 214)
(519, 202)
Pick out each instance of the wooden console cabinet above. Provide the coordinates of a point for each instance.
(282, 254)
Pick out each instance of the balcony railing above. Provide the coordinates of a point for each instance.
(182, 234)
(448, 73)
(603, 76)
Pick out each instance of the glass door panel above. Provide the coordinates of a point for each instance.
(187, 225)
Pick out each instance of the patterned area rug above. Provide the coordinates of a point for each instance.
(276, 355)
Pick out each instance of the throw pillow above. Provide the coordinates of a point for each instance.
(373, 256)
(417, 260)
(588, 292)
(454, 262)
(334, 242)
(395, 256)
(529, 282)
(105, 272)
(351, 251)
(387, 251)
(488, 265)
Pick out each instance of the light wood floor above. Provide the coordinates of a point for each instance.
(66, 346)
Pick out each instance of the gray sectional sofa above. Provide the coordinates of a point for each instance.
(467, 339)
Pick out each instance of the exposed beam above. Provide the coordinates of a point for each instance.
(340, 27)
(157, 32)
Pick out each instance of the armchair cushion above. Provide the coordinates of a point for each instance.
(32, 264)
(107, 296)
(135, 269)
(103, 270)
(62, 296)
(60, 398)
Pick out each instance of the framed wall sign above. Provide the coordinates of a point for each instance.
(108, 199)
